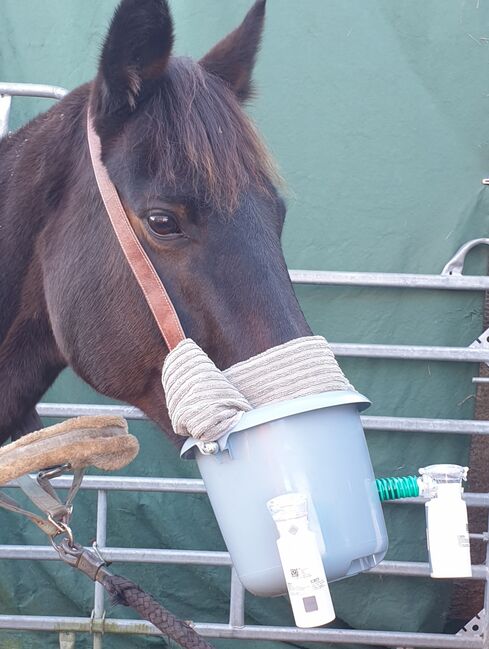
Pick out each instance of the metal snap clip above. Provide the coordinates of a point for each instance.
(208, 448)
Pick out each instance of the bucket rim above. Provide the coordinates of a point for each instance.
(280, 409)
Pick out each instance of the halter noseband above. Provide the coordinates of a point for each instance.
(155, 293)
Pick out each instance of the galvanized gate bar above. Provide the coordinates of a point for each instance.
(412, 352)
(126, 555)
(286, 634)
(101, 540)
(390, 280)
(236, 601)
(9, 90)
(39, 90)
(206, 558)
(381, 423)
(425, 425)
(195, 486)
(133, 483)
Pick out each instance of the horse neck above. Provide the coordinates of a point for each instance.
(37, 166)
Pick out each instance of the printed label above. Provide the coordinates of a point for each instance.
(310, 604)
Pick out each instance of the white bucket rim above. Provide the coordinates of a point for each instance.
(279, 410)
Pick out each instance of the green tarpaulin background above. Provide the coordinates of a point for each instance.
(378, 113)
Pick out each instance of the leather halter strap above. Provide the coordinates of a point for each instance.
(155, 293)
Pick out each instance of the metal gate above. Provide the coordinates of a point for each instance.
(476, 635)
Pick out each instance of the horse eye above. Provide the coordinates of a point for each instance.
(163, 224)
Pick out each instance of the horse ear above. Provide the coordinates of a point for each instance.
(234, 57)
(135, 53)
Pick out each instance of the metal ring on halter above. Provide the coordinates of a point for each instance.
(63, 529)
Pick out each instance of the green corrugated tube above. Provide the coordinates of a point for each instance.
(396, 488)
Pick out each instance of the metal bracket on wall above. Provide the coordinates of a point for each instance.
(456, 264)
(455, 267)
(482, 342)
(475, 626)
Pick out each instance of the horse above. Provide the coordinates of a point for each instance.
(203, 197)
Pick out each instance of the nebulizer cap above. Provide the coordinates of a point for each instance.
(435, 478)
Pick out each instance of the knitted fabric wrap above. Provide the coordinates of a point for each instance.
(202, 403)
(297, 368)
(205, 403)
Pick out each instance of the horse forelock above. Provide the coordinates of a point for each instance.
(192, 132)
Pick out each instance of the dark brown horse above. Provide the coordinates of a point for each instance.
(201, 193)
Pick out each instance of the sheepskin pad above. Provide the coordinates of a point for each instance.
(103, 442)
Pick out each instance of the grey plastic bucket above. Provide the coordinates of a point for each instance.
(314, 445)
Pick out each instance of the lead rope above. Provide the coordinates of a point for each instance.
(124, 591)
(90, 562)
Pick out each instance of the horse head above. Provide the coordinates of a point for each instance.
(201, 193)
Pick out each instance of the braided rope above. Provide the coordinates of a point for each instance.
(125, 592)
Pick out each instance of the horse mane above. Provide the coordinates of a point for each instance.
(194, 134)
